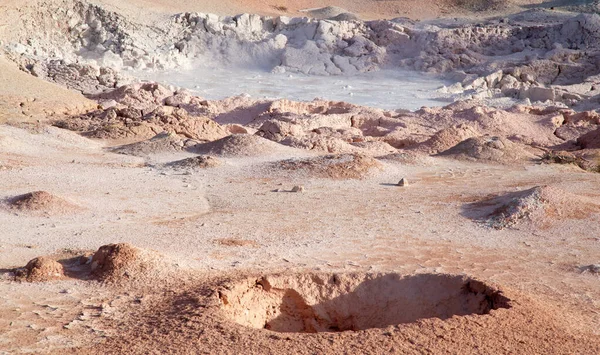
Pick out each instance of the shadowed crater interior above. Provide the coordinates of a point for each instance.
(310, 303)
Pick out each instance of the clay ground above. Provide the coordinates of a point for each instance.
(336, 226)
(218, 226)
(370, 9)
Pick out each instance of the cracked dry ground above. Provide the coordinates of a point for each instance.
(215, 228)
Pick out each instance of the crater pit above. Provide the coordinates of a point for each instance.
(311, 303)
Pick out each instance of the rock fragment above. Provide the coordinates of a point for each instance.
(298, 188)
(592, 269)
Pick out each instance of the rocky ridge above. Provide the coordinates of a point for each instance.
(537, 55)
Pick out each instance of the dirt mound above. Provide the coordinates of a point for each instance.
(41, 202)
(240, 145)
(374, 148)
(130, 122)
(590, 140)
(334, 166)
(322, 125)
(322, 143)
(496, 149)
(118, 263)
(161, 143)
(113, 263)
(311, 303)
(590, 159)
(448, 138)
(41, 269)
(586, 159)
(140, 96)
(193, 163)
(542, 205)
(408, 158)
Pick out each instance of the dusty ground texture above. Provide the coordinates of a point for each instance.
(214, 229)
(139, 218)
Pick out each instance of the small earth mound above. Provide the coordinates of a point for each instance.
(41, 269)
(311, 303)
(590, 140)
(447, 138)
(194, 163)
(135, 122)
(140, 96)
(41, 202)
(496, 149)
(586, 159)
(334, 166)
(543, 205)
(240, 145)
(408, 158)
(118, 263)
(319, 143)
(374, 148)
(515, 207)
(590, 159)
(161, 143)
(560, 157)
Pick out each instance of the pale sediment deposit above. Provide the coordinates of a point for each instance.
(298, 177)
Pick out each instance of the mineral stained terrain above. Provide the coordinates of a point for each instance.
(140, 217)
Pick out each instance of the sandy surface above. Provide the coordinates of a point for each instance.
(24, 98)
(370, 9)
(185, 217)
(294, 235)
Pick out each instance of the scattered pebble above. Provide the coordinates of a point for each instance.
(403, 182)
(298, 188)
(593, 268)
